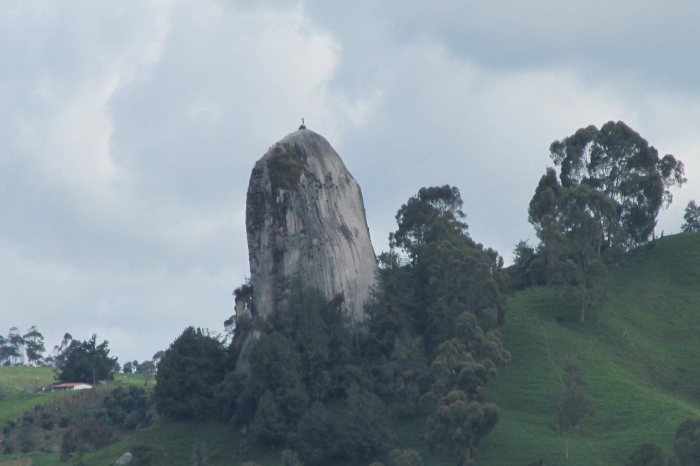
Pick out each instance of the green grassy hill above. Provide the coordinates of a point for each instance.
(640, 352)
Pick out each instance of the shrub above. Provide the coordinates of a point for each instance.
(188, 375)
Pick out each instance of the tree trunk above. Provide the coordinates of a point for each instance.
(582, 316)
(567, 447)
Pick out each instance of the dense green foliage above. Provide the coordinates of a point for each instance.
(188, 375)
(604, 202)
(86, 362)
(129, 408)
(617, 162)
(304, 365)
(328, 391)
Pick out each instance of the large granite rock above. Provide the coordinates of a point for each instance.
(305, 216)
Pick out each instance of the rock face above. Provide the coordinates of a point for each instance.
(305, 216)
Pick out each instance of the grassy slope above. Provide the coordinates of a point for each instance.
(17, 387)
(640, 353)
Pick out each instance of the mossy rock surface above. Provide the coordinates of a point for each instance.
(285, 166)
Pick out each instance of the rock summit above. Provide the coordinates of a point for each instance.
(305, 218)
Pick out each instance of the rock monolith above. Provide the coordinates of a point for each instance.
(305, 217)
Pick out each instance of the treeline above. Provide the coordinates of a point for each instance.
(29, 349)
(307, 381)
(20, 350)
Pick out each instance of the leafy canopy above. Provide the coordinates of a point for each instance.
(86, 362)
(618, 162)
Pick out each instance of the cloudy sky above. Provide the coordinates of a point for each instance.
(128, 131)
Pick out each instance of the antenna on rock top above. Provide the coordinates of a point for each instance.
(303, 126)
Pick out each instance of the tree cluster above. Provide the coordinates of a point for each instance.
(85, 361)
(19, 350)
(327, 391)
(147, 367)
(604, 201)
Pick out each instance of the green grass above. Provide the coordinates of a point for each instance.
(639, 352)
(20, 389)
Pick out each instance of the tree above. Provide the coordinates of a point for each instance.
(686, 444)
(406, 458)
(459, 426)
(448, 272)
(691, 217)
(15, 347)
(317, 436)
(274, 396)
(574, 403)
(439, 287)
(128, 367)
(60, 351)
(618, 162)
(157, 357)
(364, 430)
(34, 346)
(5, 351)
(572, 224)
(129, 408)
(519, 273)
(146, 367)
(86, 362)
(188, 376)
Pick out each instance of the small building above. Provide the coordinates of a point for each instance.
(70, 386)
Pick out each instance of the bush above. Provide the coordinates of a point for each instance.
(364, 431)
(406, 458)
(686, 444)
(647, 454)
(188, 376)
(317, 433)
(144, 453)
(129, 408)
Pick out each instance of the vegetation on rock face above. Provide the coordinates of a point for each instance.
(285, 166)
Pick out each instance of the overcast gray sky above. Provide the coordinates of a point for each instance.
(128, 131)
